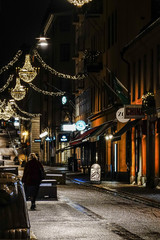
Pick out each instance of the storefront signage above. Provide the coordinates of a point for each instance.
(133, 111)
(80, 125)
(64, 137)
(69, 127)
(37, 140)
(120, 116)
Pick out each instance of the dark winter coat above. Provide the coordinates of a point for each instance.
(32, 173)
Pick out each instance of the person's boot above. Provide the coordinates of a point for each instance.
(33, 206)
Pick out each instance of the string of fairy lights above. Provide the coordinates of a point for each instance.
(12, 62)
(53, 71)
(27, 74)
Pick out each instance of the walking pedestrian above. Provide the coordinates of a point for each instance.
(32, 176)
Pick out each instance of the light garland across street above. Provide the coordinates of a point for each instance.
(23, 118)
(11, 63)
(46, 92)
(53, 71)
(26, 113)
(7, 83)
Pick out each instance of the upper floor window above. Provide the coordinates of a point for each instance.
(139, 78)
(158, 67)
(144, 73)
(65, 23)
(112, 29)
(133, 81)
(65, 52)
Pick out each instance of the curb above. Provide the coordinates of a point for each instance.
(130, 196)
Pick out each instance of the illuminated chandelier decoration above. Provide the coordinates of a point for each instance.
(19, 92)
(27, 73)
(79, 3)
(6, 111)
(9, 109)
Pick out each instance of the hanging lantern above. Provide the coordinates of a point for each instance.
(79, 3)
(27, 73)
(19, 92)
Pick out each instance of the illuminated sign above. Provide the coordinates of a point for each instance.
(133, 111)
(69, 127)
(48, 139)
(37, 140)
(64, 100)
(80, 125)
(120, 116)
(44, 134)
(64, 137)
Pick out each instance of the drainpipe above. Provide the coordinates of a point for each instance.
(128, 64)
(128, 161)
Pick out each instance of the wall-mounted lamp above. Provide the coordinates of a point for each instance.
(109, 137)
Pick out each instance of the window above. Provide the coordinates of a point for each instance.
(151, 72)
(112, 29)
(64, 52)
(133, 82)
(65, 23)
(158, 67)
(139, 78)
(144, 73)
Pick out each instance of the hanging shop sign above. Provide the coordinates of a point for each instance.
(80, 125)
(133, 111)
(64, 137)
(120, 116)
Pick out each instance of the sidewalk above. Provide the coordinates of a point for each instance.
(137, 193)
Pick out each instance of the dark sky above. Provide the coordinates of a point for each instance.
(20, 23)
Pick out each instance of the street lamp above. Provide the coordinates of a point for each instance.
(42, 42)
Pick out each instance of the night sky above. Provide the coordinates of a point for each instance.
(20, 23)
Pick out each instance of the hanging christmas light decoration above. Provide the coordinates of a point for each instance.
(6, 111)
(11, 63)
(27, 73)
(79, 3)
(7, 83)
(19, 92)
(53, 71)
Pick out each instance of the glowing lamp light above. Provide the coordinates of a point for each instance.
(43, 42)
(25, 133)
(109, 137)
(27, 73)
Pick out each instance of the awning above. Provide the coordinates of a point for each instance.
(124, 129)
(101, 130)
(81, 138)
